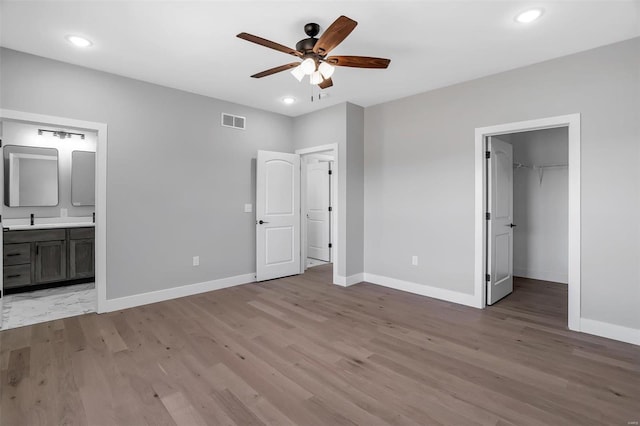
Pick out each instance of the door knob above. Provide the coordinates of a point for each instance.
(512, 225)
(262, 222)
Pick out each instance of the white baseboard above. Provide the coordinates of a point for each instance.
(350, 280)
(175, 292)
(542, 275)
(423, 290)
(610, 331)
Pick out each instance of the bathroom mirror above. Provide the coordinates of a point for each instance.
(83, 178)
(30, 176)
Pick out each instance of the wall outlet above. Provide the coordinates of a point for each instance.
(248, 208)
(64, 212)
(196, 260)
(414, 260)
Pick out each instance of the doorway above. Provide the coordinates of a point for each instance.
(63, 261)
(527, 211)
(322, 198)
(282, 241)
(485, 261)
(317, 171)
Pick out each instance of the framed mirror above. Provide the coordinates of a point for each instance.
(83, 178)
(30, 176)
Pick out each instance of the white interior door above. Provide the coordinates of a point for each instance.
(500, 224)
(318, 210)
(277, 215)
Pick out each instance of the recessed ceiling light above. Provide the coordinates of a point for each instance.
(78, 41)
(288, 100)
(529, 16)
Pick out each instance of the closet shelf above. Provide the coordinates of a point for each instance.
(539, 169)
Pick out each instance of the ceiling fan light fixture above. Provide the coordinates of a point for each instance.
(308, 66)
(315, 78)
(326, 70)
(298, 73)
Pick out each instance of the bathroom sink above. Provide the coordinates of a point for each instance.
(47, 223)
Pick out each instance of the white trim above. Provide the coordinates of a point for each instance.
(610, 331)
(537, 274)
(319, 148)
(335, 197)
(572, 121)
(175, 292)
(350, 280)
(423, 290)
(101, 187)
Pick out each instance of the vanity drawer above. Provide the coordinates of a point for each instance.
(35, 235)
(16, 254)
(81, 233)
(17, 275)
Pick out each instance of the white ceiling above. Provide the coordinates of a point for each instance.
(192, 45)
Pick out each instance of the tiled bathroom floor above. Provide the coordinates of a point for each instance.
(46, 305)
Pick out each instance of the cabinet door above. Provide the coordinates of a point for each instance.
(51, 261)
(81, 258)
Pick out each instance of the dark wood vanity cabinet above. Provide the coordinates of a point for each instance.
(51, 261)
(81, 253)
(41, 256)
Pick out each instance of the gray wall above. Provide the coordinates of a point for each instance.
(355, 189)
(341, 124)
(419, 173)
(176, 180)
(14, 133)
(541, 208)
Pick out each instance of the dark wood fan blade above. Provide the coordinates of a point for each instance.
(268, 43)
(276, 70)
(326, 83)
(358, 61)
(334, 35)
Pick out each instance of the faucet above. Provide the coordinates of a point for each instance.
(32, 219)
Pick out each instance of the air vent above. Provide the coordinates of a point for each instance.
(234, 121)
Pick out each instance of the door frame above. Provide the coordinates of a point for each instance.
(100, 188)
(335, 225)
(572, 122)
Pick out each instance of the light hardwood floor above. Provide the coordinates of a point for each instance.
(300, 351)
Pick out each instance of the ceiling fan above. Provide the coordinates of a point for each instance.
(313, 53)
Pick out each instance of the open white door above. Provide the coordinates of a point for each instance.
(318, 210)
(500, 224)
(277, 215)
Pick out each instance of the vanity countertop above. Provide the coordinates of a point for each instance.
(47, 223)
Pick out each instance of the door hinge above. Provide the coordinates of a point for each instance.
(330, 172)
(330, 245)
(487, 154)
(330, 208)
(487, 277)
(487, 216)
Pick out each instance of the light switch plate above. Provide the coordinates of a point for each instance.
(248, 208)
(414, 260)
(196, 260)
